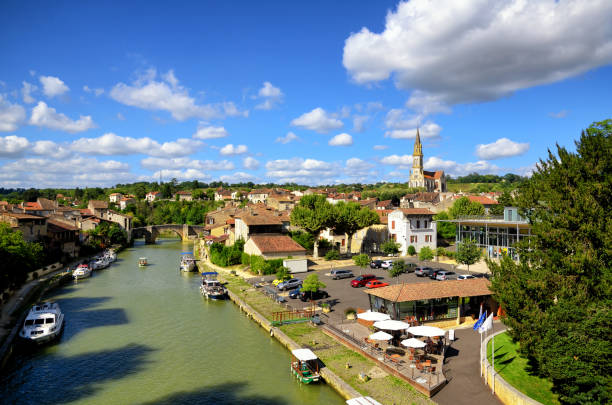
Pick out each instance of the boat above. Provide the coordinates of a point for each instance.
(211, 287)
(100, 264)
(305, 365)
(110, 255)
(82, 271)
(188, 262)
(43, 323)
(142, 262)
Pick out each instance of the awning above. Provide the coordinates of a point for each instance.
(412, 342)
(426, 331)
(380, 335)
(304, 354)
(391, 324)
(373, 316)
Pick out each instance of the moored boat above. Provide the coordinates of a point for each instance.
(43, 323)
(305, 365)
(100, 264)
(82, 271)
(188, 262)
(142, 262)
(211, 287)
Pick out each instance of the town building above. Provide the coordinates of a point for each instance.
(115, 198)
(486, 202)
(32, 227)
(223, 195)
(125, 201)
(183, 196)
(430, 181)
(258, 196)
(274, 246)
(153, 196)
(64, 238)
(412, 227)
(257, 222)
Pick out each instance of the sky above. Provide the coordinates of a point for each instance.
(312, 92)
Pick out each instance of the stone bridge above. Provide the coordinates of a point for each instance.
(151, 232)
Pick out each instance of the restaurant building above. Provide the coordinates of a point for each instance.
(444, 302)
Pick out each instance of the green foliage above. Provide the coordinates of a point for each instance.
(224, 256)
(305, 239)
(426, 253)
(464, 207)
(390, 247)
(170, 212)
(17, 256)
(504, 200)
(106, 234)
(332, 255)
(283, 273)
(397, 268)
(313, 214)
(261, 266)
(468, 252)
(445, 230)
(411, 250)
(558, 299)
(349, 217)
(362, 260)
(312, 283)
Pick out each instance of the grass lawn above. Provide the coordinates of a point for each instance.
(514, 369)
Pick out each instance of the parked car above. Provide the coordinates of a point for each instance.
(422, 271)
(295, 293)
(336, 274)
(386, 264)
(445, 275)
(360, 281)
(289, 284)
(409, 267)
(434, 273)
(482, 275)
(464, 276)
(375, 264)
(309, 295)
(375, 284)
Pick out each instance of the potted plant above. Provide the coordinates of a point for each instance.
(350, 313)
(325, 307)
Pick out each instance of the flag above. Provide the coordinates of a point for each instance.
(480, 320)
(486, 325)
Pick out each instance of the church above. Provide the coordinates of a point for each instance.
(430, 181)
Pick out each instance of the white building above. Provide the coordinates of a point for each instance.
(412, 226)
(115, 197)
(153, 196)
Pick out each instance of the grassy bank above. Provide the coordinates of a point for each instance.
(515, 370)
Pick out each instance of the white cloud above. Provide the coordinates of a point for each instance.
(341, 140)
(560, 114)
(97, 91)
(168, 95)
(427, 104)
(403, 161)
(302, 171)
(45, 116)
(120, 116)
(427, 130)
(250, 163)
(358, 170)
(237, 177)
(154, 163)
(12, 145)
(11, 115)
(380, 147)
(359, 122)
(181, 175)
(397, 118)
(26, 92)
(50, 149)
(460, 169)
(287, 138)
(230, 149)
(268, 90)
(210, 132)
(111, 144)
(53, 86)
(501, 148)
(317, 120)
(479, 50)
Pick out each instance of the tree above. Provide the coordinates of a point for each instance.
(504, 200)
(314, 214)
(312, 284)
(283, 273)
(445, 230)
(197, 194)
(468, 252)
(557, 300)
(397, 269)
(464, 207)
(390, 247)
(426, 253)
(411, 250)
(17, 256)
(362, 261)
(351, 217)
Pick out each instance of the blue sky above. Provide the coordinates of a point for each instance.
(310, 92)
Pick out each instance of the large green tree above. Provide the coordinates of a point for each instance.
(17, 256)
(313, 214)
(468, 252)
(557, 300)
(446, 230)
(362, 260)
(349, 217)
(464, 207)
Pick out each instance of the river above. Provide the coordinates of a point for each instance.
(146, 336)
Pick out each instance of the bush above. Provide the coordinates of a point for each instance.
(332, 255)
(349, 311)
(411, 250)
(390, 247)
(224, 256)
(426, 253)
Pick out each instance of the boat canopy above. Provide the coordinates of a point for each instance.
(304, 354)
(186, 253)
(210, 273)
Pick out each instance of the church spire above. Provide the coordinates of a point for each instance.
(418, 150)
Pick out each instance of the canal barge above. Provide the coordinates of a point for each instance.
(305, 365)
(211, 287)
(43, 323)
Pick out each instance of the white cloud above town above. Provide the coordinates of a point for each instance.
(480, 50)
(237, 177)
(230, 149)
(12, 145)
(502, 148)
(290, 137)
(270, 95)
(157, 163)
(11, 115)
(53, 86)
(318, 120)
(210, 132)
(97, 91)
(343, 139)
(250, 163)
(48, 117)
(300, 170)
(26, 92)
(112, 144)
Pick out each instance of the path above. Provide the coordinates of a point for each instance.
(466, 386)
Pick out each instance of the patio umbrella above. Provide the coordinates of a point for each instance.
(373, 316)
(380, 335)
(425, 331)
(391, 324)
(412, 342)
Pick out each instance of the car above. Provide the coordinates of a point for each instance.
(289, 284)
(360, 281)
(464, 276)
(375, 264)
(386, 264)
(434, 273)
(482, 275)
(445, 275)
(310, 295)
(336, 274)
(422, 271)
(295, 293)
(375, 284)
(409, 267)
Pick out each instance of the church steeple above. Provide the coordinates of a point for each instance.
(418, 150)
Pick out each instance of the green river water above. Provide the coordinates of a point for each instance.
(146, 336)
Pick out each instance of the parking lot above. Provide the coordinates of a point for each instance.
(342, 296)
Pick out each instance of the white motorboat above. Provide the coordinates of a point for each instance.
(82, 271)
(100, 264)
(142, 262)
(188, 262)
(110, 255)
(43, 323)
(211, 287)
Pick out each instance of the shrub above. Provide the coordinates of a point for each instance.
(390, 247)
(411, 250)
(426, 253)
(349, 311)
(332, 255)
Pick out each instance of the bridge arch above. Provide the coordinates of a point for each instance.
(151, 232)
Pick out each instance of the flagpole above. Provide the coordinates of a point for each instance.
(493, 368)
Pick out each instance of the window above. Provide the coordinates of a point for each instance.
(424, 224)
(413, 239)
(427, 238)
(342, 242)
(418, 224)
(392, 224)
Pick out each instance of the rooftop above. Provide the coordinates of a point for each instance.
(415, 211)
(276, 243)
(482, 199)
(440, 289)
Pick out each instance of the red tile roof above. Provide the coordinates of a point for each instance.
(273, 243)
(440, 289)
(482, 199)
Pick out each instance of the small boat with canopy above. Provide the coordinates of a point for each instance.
(188, 262)
(142, 262)
(211, 287)
(305, 365)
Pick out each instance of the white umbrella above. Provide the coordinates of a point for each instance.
(373, 316)
(425, 331)
(412, 342)
(391, 324)
(380, 335)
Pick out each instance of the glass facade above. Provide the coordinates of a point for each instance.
(495, 240)
(423, 310)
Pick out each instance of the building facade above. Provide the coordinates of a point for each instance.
(412, 226)
(430, 181)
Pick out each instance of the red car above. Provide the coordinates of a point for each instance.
(375, 284)
(362, 280)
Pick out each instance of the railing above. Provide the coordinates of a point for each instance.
(294, 316)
